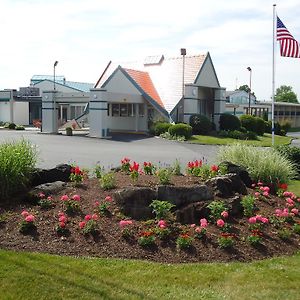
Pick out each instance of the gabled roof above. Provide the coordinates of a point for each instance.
(61, 80)
(166, 75)
(144, 81)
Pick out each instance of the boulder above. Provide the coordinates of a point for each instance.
(135, 201)
(182, 196)
(192, 213)
(59, 173)
(227, 185)
(240, 171)
(235, 206)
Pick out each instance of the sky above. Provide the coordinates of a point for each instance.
(83, 36)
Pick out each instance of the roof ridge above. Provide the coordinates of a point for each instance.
(135, 70)
(186, 56)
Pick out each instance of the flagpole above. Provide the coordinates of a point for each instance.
(273, 70)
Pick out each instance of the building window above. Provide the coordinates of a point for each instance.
(123, 109)
(76, 111)
(141, 110)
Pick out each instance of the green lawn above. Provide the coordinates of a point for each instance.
(294, 186)
(41, 276)
(265, 141)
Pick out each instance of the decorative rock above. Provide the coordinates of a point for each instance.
(50, 188)
(227, 185)
(240, 171)
(182, 196)
(135, 201)
(192, 213)
(235, 206)
(59, 173)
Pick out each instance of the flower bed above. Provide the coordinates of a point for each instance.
(97, 226)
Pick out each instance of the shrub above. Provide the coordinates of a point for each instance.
(265, 165)
(268, 126)
(285, 125)
(292, 153)
(248, 203)
(216, 208)
(161, 209)
(248, 122)
(200, 124)
(17, 163)
(229, 122)
(20, 127)
(160, 128)
(181, 130)
(235, 134)
(11, 126)
(164, 175)
(259, 126)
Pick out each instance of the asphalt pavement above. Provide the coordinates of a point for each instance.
(87, 152)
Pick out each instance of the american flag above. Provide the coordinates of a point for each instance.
(289, 47)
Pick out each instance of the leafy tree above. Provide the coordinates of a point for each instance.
(245, 88)
(285, 94)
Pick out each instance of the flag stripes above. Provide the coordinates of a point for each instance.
(289, 47)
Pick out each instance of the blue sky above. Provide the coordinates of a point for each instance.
(84, 35)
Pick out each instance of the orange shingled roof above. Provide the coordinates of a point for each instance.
(144, 81)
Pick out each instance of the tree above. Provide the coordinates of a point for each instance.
(246, 88)
(285, 94)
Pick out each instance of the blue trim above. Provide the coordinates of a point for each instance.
(96, 108)
(48, 101)
(48, 108)
(198, 75)
(98, 101)
(4, 99)
(64, 85)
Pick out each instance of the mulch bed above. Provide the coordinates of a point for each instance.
(108, 241)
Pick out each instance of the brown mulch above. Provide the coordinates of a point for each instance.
(108, 241)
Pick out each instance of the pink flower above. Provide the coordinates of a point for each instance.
(88, 217)
(258, 217)
(252, 220)
(124, 223)
(76, 197)
(259, 183)
(62, 224)
(295, 211)
(95, 217)
(266, 189)
(287, 194)
(278, 212)
(97, 203)
(256, 194)
(298, 200)
(203, 222)
(198, 229)
(285, 213)
(29, 218)
(262, 188)
(24, 213)
(265, 220)
(193, 225)
(82, 224)
(224, 214)
(49, 198)
(253, 185)
(61, 214)
(64, 198)
(289, 202)
(41, 195)
(266, 194)
(220, 223)
(108, 199)
(62, 219)
(162, 224)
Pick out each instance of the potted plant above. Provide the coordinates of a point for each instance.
(69, 131)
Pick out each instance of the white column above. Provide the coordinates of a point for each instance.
(98, 113)
(219, 105)
(49, 112)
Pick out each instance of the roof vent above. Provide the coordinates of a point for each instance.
(153, 60)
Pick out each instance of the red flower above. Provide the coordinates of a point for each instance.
(214, 168)
(283, 186)
(134, 167)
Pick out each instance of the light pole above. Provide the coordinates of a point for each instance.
(250, 70)
(55, 64)
(183, 53)
(54, 100)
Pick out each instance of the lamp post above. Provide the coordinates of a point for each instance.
(55, 64)
(250, 70)
(183, 53)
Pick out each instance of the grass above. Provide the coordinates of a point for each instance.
(43, 276)
(294, 186)
(264, 141)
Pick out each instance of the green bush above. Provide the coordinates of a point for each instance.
(11, 126)
(17, 162)
(285, 125)
(20, 127)
(266, 165)
(250, 135)
(229, 122)
(292, 153)
(248, 122)
(259, 126)
(200, 124)
(268, 126)
(239, 135)
(181, 130)
(161, 127)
